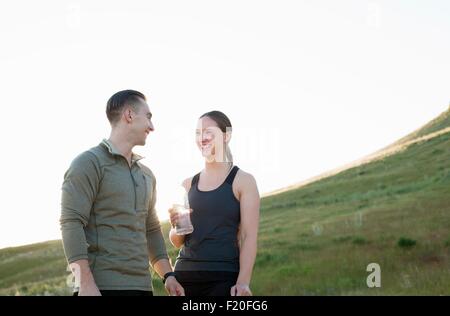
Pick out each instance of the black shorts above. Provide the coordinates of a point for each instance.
(207, 283)
(122, 293)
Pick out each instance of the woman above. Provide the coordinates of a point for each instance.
(217, 258)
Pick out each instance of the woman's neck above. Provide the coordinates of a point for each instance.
(217, 167)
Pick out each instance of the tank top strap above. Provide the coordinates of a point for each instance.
(195, 180)
(232, 175)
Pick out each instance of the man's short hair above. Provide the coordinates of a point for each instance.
(119, 100)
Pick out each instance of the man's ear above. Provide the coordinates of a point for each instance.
(128, 115)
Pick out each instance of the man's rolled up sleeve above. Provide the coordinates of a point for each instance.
(79, 190)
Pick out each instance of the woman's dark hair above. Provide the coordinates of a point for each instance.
(118, 100)
(224, 124)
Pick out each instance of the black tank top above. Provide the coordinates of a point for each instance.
(213, 245)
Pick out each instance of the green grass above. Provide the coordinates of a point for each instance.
(319, 239)
(439, 123)
(406, 242)
(37, 269)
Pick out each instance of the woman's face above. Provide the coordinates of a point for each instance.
(210, 139)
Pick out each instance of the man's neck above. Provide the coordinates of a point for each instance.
(121, 144)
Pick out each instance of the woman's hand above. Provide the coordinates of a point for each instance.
(241, 290)
(173, 217)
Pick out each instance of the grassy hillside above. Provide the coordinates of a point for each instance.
(36, 269)
(438, 124)
(319, 239)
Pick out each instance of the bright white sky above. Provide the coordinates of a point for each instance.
(308, 86)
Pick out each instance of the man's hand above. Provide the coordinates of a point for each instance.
(241, 290)
(84, 279)
(173, 287)
(89, 289)
(162, 267)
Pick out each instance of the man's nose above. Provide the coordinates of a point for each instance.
(152, 127)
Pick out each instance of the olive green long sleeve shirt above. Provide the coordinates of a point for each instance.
(108, 217)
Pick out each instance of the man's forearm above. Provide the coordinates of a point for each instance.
(156, 246)
(74, 240)
(162, 266)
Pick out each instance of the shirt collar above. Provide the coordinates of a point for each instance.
(113, 151)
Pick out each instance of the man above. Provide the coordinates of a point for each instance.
(110, 229)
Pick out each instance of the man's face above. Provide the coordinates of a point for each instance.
(141, 123)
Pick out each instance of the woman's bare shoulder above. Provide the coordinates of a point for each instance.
(244, 179)
(187, 183)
